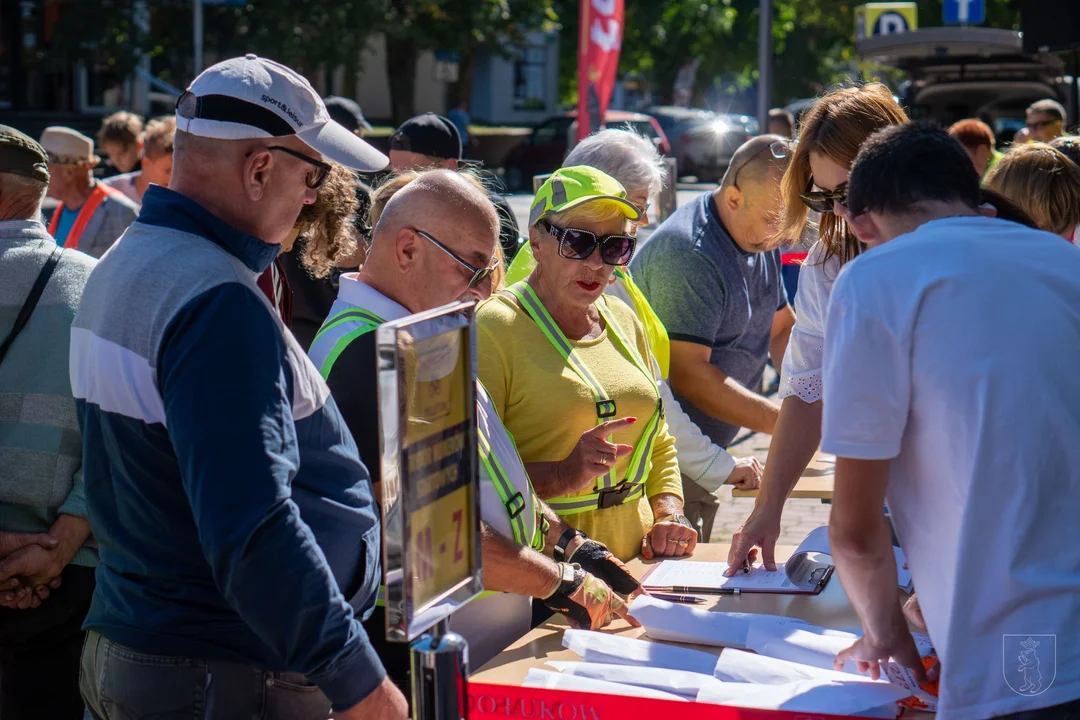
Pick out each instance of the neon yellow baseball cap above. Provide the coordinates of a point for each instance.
(573, 186)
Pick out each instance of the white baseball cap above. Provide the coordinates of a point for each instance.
(252, 97)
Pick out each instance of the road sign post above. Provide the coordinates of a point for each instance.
(964, 12)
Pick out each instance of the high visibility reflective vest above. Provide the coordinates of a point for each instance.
(524, 263)
(659, 341)
(608, 493)
(500, 464)
(101, 191)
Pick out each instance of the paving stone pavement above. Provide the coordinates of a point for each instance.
(800, 515)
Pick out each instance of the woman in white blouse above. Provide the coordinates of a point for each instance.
(816, 179)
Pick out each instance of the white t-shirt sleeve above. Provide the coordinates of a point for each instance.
(867, 373)
(800, 373)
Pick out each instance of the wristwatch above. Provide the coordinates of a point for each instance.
(676, 518)
(559, 551)
(570, 578)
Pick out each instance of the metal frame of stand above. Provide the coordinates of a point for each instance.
(427, 366)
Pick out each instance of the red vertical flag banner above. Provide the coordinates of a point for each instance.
(599, 42)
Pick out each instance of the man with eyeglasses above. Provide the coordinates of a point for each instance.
(1045, 120)
(434, 242)
(238, 534)
(713, 275)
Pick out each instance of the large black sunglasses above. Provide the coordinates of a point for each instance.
(316, 176)
(478, 274)
(824, 201)
(579, 244)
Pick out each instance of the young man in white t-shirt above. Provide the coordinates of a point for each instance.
(950, 390)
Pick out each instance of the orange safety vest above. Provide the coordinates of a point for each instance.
(101, 191)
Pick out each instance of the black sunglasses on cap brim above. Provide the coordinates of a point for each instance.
(577, 244)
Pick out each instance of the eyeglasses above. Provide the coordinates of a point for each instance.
(780, 150)
(1040, 124)
(824, 201)
(316, 176)
(580, 244)
(478, 274)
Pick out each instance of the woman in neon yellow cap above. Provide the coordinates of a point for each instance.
(632, 159)
(569, 370)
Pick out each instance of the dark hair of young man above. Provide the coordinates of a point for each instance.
(903, 165)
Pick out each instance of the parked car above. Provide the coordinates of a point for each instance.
(544, 150)
(707, 149)
(958, 73)
(676, 121)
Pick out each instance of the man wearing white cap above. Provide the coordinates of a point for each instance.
(238, 535)
(91, 215)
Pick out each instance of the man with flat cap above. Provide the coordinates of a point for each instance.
(91, 215)
(431, 141)
(47, 558)
(239, 536)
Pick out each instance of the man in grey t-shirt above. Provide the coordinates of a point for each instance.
(712, 274)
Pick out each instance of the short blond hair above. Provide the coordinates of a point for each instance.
(587, 214)
(1043, 181)
(123, 128)
(158, 137)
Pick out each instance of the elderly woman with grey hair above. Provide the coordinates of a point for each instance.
(633, 160)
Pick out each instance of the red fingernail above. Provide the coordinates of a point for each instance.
(631, 420)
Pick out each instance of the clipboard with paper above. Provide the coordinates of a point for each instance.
(806, 572)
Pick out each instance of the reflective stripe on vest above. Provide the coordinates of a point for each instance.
(633, 486)
(659, 342)
(337, 332)
(101, 191)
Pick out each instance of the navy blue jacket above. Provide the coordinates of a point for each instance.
(234, 518)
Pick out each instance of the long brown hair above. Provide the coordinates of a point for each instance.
(836, 127)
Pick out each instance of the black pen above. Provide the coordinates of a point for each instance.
(746, 566)
(688, 599)
(697, 590)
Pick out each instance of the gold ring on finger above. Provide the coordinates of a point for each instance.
(684, 543)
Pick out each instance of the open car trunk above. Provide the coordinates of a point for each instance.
(961, 72)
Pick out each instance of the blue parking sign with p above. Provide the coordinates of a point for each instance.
(890, 23)
(964, 12)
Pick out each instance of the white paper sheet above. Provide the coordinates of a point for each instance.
(538, 678)
(818, 647)
(748, 667)
(812, 696)
(803, 571)
(679, 682)
(691, 624)
(711, 575)
(595, 646)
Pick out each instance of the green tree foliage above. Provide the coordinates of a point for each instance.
(813, 42)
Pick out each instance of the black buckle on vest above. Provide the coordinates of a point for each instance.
(612, 497)
(515, 506)
(605, 409)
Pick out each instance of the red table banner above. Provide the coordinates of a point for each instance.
(509, 702)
